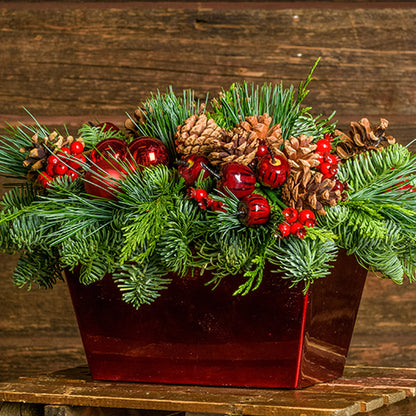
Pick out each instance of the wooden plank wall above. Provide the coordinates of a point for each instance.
(70, 62)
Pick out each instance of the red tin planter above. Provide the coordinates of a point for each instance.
(273, 337)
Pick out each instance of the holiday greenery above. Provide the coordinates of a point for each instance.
(231, 185)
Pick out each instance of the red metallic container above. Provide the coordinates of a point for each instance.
(273, 337)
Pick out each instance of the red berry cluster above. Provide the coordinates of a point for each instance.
(328, 161)
(295, 222)
(65, 162)
(204, 200)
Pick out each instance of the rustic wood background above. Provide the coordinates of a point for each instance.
(70, 62)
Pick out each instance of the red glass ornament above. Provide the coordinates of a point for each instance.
(106, 126)
(148, 151)
(237, 179)
(272, 337)
(101, 179)
(272, 171)
(190, 168)
(254, 210)
(109, 149)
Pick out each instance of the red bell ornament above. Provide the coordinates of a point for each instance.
(101, 179)
(109, 149)
(238, 179)
(254, 210)
(273, 170)
(148, 151)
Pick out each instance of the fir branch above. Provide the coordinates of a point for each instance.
(92, 135)
(163, 113)
(141, 283)
(303, 260)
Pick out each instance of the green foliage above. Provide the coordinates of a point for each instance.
(141, 283)
(303, 260)
(282, 104)
(163, 113)
(92, 135)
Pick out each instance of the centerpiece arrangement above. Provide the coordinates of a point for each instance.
(198, 209)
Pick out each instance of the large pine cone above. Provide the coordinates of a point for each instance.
(363, 137)
(309, 190)
(300, 153)
(198, 135)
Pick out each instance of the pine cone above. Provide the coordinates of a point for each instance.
(300, 153)
(198, 135)
(40, 150)
(363, 137)
(305, 189)
(138, 117)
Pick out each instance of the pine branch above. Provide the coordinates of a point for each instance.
(92, 135)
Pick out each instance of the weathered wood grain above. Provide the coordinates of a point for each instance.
(81, 61)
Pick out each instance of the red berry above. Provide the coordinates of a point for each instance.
(298, 229)
(328, 136)
(53, 160)
(284, 229)
(44, 179)
(338, 186)
(72, 174)
(200, 194)
(77, 147)
(262, 150)
(272, 171)
(60, 169)
(290, 214)
(306, 215)
(310, 223)
(331, 158)
(254, 210)
(65, 150)
(333, 170)
(50, 169)
(323, 146)
(73, 162)
(325, 168)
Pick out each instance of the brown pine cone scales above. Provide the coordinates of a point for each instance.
(41, 148)
(138, 117)
(300, 153)
(203, 136)
(309, 190)
(362, 137)
(198, 135)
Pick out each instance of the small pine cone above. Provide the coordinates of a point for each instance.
(300, 152)
(307, 190)
(198, 135)
(41, 148)
(363, 137)
(130, 124)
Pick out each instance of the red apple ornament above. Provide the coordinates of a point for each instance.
(272, 170)
(148, 151)
(191, 167)
(102, 179)
(254, 210)
(238, 179)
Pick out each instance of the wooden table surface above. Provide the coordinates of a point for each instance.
(360, 390)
